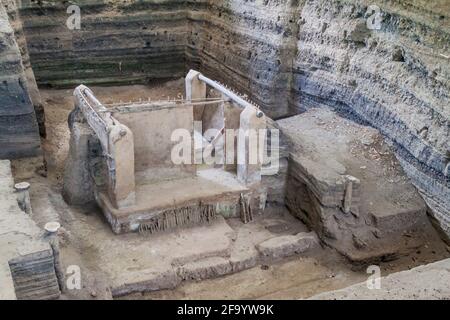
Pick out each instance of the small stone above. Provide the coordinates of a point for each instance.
(93, 294)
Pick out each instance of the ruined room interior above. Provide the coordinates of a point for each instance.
(351, 97)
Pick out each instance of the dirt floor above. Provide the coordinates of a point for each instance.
(317, 271)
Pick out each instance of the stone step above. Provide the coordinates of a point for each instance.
(205, 269)
(287, 246)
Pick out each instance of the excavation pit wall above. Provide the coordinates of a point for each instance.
(132, 258)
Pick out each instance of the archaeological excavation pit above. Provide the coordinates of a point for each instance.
(224, 149)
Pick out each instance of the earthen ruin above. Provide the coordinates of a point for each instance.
(224, 149)
(126, 153)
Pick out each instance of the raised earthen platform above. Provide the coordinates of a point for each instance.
(163, 205)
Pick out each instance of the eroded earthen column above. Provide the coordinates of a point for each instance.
(23, 197)
(248, 153)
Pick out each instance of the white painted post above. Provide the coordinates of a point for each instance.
(23, 197)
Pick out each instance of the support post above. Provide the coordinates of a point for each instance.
(23, 197)
(195, 89)
(249, 160)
